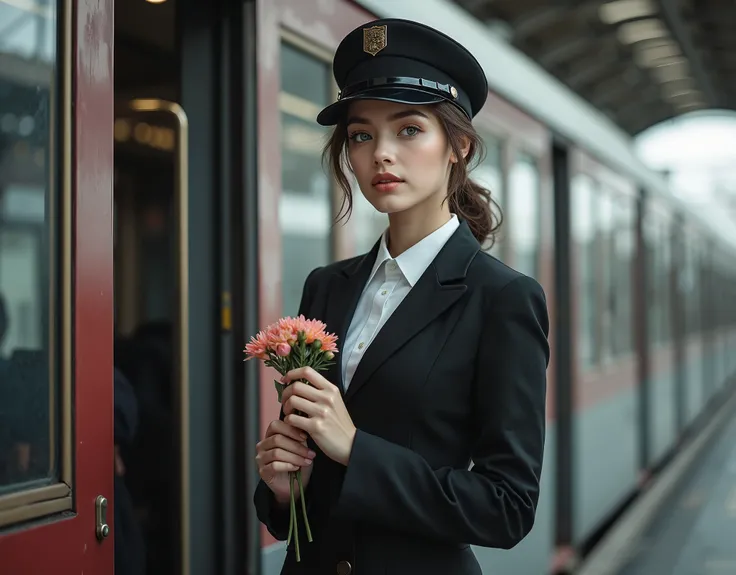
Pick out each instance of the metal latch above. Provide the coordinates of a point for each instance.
(102, 528)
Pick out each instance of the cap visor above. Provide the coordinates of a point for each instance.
(331, 114)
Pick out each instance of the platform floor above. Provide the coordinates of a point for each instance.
(695, 531)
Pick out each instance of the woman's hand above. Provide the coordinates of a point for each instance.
(282, 450)
(326, 418)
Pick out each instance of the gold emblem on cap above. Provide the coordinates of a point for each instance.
(453, 91)
(375, 39)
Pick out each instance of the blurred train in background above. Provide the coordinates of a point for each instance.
(221, 209)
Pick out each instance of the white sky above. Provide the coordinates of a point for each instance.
(699, 149)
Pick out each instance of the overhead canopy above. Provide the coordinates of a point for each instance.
(638, 61)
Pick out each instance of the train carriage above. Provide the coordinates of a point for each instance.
(175, 156)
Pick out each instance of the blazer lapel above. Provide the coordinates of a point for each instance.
(344, 291)
(441, 285)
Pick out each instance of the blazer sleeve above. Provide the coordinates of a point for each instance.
(494, 503)
(269, 512)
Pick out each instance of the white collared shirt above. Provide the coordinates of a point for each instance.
(390, 282)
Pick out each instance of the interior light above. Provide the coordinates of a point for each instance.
(649, 54)
(155, 1)
(640, 30)
(622, 10)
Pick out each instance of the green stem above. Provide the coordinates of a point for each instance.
(293, 517)
(304, 505)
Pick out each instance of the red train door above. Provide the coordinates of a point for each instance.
(56, 278)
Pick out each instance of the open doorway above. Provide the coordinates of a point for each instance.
(150, 199)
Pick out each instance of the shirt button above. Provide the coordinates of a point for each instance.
(384, 292)
(392, 265)
(361, 345)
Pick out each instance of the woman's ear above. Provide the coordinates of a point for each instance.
(464, 149)
(466, 146)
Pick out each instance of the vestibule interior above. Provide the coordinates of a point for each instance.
(148, 290)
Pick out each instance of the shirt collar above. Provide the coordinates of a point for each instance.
(414, 261)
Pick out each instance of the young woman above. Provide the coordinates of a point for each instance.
(443, 349)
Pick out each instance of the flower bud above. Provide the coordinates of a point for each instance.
(283, 349)
(329, 355)
(301, 337)
(316, 345)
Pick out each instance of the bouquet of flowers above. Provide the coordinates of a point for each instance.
(288, 344)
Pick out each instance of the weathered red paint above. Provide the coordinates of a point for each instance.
(69, 546)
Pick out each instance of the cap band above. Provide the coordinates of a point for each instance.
(444, 90)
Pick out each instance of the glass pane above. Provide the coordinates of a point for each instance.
(584, 245)
(305, 210)
(608, 291)
(28, 394)
(523, 212)
(489, 174)
(622, 281)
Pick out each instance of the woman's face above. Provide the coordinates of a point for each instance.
(399, 154)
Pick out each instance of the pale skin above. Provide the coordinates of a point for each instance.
(384, 137)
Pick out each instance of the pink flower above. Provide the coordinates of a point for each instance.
(257, 347)
(273, 345)
(286, 332)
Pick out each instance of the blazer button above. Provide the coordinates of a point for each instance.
(344, 568)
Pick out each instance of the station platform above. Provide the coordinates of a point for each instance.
(695, 532)
(685, 524)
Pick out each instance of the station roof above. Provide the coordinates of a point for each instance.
(638, 61)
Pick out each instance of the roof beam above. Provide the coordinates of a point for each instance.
(671, 15)
(536, 20)
(564, 51)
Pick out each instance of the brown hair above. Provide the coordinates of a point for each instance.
(469, 200)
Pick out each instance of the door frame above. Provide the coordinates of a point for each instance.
(63, 523)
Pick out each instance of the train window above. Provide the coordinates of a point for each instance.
(29, 340)
(524, 217)
(664, 280)
(489, 174)
(690, 286)
(657, 251)
(607, 289)
(621, 277)
(305, 210)
(585, 259)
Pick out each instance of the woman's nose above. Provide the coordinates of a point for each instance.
(383, 154)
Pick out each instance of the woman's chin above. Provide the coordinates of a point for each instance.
(389, 204)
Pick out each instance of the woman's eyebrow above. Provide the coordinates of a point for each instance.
(392, 117)
(406, 114)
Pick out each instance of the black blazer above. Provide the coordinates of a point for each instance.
(458, 373)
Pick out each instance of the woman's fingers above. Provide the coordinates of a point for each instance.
(296, 403)
(283, 449)
(280, 467)
(302, 390)
(278, 427)
(282, 455)
(309, 374)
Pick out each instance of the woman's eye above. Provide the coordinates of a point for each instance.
(358, 137)
(410, 130)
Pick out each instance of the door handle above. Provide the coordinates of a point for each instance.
(102, 529)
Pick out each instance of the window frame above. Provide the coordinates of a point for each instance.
(37, 502)
(325, 56)
(617, 188)
(519, 155)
